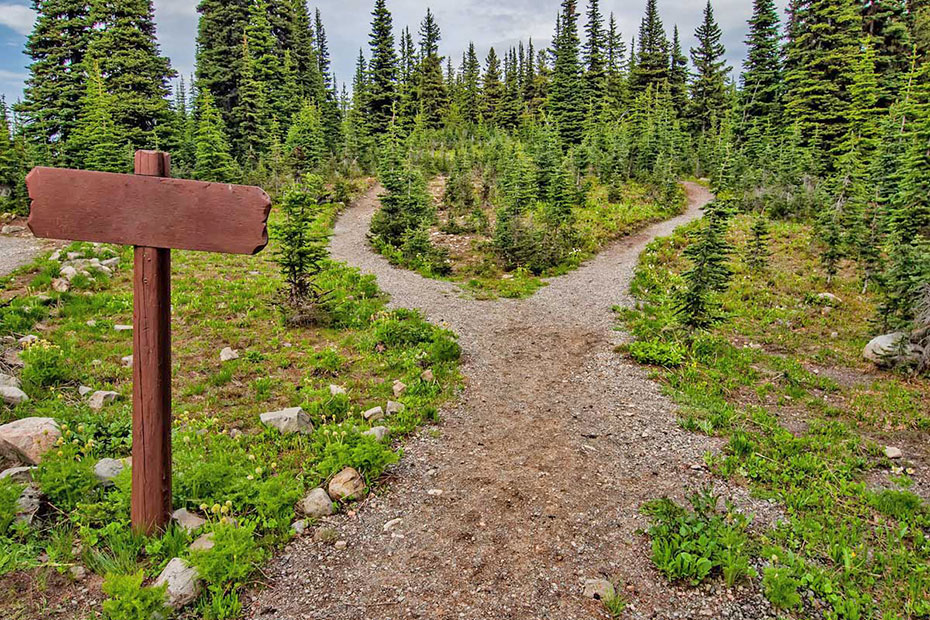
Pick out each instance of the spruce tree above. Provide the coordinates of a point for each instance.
(760, 95)
(304, 52)
(709, 273)
(709, 88)
(595, 52)
(566, 95)
(219, 51)
(885, 23)
(492, 93)
(305, 139)
(11, 164)
(98, 143)
(616, 58)
(214, 161)
(471, 86)
(55, 86)
(678, 74)
(508, 113)
(133, 69)
(381, 92)
(432, 95)
(251, 115)
(652, 56)
(757, 252)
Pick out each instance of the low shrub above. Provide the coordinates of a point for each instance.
(128, 600)
(658, 353)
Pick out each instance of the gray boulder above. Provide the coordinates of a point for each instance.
(106, 470)
(99, 399)
(379, 432)
(186, 519)
(373, 414)
(892, 350)
(9, 381)
(346, 484)
(183, 581)
(28, 504)
(288, 421)
(317, 504)
(13, 395)
(19, 475)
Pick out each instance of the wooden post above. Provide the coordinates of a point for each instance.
(151, 374)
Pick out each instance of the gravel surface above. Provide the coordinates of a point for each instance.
(16, 252)
(534, 480)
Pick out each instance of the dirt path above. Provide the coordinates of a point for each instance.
(542, 466)
(16, 252)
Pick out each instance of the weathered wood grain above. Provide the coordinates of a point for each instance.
(147, 210)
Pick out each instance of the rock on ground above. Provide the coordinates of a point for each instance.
(19, 475)
(184, 584)
(288, 421)
(317, 504)
(892, 350)
(28, 439)
(106, 470)
(228, 354)
(373, 414)
(13, 395)
(346, 484)
(378, 432)
(101, 398)
(188, 520)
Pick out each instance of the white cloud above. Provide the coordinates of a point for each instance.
(19, 18)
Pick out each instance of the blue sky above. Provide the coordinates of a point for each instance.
(488, 22)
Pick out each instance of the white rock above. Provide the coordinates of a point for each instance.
(184, 584)
(13, 395)
(78, 572)
(427, 375)
(84, 390)
(19, 475)
(378, 432)
(228, 354)
(340, 545)
(299, 527)
(893, 453)
(288, 421)
(346, 484)
(829, 298)
(390, 525)
(28, 504)
(126, 361)
(12, 230)
(106, 470)
(56, 255)
(399, 388)
(203, 543)
(394, 407)
(374, 414)
(9, 381)
(599, 589)
(73, 255)
(317, 504)
(435, 492)
(91, 323)
(892, 350)
(60, 285)
(110, 263)
(335, 390)
(99, 399)
(123, 328)
(28, 439)
(186, 519)
(27, 340)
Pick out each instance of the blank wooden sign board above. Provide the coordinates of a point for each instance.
(155, 214)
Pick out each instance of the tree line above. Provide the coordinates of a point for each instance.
(829, 119)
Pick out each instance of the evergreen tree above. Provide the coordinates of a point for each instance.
(251, 114)
(757, 252)
(304, 52)
(508, 113)
(214, 161)
(11, 165)
(678, 74)
(884, 22)
(305, 139)
(471, 86)
(381, 92)
(492, 88)
(709, 272)
(566, 96)
(616, 58)
(760, 96)
(709, 88)
(432, 92)
(820, 56)
(595, 52)
(652, 57)
(55, 86)
(219, 51)
(322, 50)
(98, 143)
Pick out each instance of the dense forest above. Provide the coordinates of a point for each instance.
(829, 122)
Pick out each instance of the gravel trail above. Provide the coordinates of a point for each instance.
(534, 480)
(16, 252)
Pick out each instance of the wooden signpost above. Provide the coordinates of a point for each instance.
(155, 214)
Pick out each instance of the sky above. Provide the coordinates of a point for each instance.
(498, 23)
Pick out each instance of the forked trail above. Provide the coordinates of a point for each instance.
(542, 465)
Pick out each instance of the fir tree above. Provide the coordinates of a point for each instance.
(709, 272)
(616, 57)
(492, 88)
(885, 23)
(709, 88)
(219, 51)
(432, 92)
(678, 74)
(98, 143)
(305, 139)
(381, 91)
(760, 96)
(322, 50)
(471, 86)
(214, 161)
(304, 52)
(595, 51)
(757, 252)
(11, 164)
(511, 107)
(566, 96)
(250, 115)
(652, 57)
(55, 86)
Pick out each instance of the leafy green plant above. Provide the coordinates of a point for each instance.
(232, 559)
(128, 600)
(9, 494)
(657, 353)
(615, 605)
(46, 365)
(688, 546)
(66, 478)
(781, 589)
